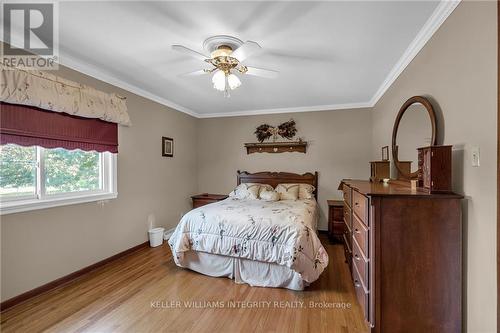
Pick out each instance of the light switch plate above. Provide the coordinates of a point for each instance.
(475, 156)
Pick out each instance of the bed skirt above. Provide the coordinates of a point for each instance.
(254, 273)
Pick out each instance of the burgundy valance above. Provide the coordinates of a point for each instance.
(30, 126)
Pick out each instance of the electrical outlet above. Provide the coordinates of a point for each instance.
(475, 156)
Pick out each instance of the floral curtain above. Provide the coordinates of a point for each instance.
(49, 92)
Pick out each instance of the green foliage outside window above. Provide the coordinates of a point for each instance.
(64, 170)
(70, 171)
(17, 170)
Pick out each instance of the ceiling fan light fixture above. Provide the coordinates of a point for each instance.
(233, 81)
(226, 55)
(221, 51)
(219, 81)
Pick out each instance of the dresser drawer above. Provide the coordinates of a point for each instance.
(347, 195)
(347, 243)
(338, 228)
(360, 234)
(347, 237)
(347, 230)
(361, 293)
(336, 213)
(360, 206)
(347, 217)
(347, 252)
(361, 264)
(206, 198)
(202, 202)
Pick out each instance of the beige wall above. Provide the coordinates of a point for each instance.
(339, 147)
(43, 245)
(457, 69)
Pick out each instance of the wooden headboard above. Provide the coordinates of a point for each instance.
(275, 178)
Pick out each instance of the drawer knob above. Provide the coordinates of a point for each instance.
(357, 284)
(357, 257)
(357, 231)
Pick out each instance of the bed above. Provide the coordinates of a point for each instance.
(261, 243)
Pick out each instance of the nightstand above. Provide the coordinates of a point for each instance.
(206, 198)
(335, 219)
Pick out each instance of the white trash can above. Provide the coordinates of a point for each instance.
(156, 236)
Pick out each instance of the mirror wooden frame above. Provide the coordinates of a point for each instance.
(430, 110)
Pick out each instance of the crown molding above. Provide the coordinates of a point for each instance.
(440, 14)
(90, 70)
(315, 108)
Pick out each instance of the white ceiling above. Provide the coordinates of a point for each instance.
(330, 55)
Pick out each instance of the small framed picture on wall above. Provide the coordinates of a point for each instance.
(167, 146)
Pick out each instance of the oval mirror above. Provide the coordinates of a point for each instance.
(415, 127)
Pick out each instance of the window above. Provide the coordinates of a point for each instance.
(36, 177)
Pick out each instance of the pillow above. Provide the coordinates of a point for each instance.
(288, 191)
(265, 187)
(306, 191)
(248, 190)
(269, 195)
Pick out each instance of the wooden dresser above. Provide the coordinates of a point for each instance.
(404, 248)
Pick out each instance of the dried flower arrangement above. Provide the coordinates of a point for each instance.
(286, 130)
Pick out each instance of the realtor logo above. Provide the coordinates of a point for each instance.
(30, 35)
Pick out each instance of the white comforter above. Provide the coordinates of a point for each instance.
(282, 232)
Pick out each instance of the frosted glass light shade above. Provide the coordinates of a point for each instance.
(219, 81)
(233, 81)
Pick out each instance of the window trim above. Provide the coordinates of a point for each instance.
(109, 191)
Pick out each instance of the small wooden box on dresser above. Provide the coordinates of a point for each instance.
(404, 248)
(435, 163)
(380, 170)
(206, 198)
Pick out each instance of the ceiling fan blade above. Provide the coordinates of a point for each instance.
(267, 73)
(299, 56)
(196, 73)
(192, 53)
(246, 50)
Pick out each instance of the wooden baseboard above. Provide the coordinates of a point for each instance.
(65, 279)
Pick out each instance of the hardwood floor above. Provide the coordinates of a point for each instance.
(146, 292)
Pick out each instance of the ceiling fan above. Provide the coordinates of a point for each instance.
(226, 56)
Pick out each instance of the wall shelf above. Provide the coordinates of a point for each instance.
(276, 147)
